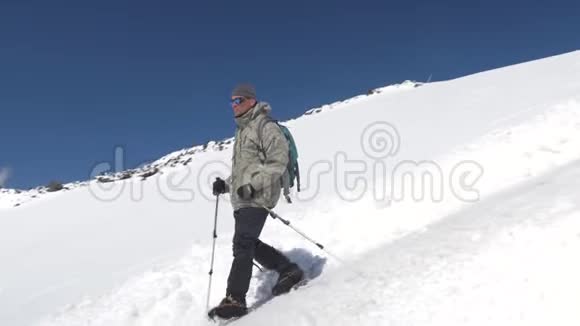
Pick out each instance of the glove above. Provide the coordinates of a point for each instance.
(246, 192)
(219, 187)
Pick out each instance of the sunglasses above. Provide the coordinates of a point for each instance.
(238, 101)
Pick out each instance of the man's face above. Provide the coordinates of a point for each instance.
(242, 105)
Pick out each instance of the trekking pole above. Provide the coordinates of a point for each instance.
(213, 249)
(258, 266)
(287, 223)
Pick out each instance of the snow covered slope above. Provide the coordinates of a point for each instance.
(17, 197)
(490, 240)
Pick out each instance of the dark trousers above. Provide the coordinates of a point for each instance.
(247, 247)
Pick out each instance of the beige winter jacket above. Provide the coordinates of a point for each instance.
(260, 158)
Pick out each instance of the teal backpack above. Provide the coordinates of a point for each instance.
(292, 174)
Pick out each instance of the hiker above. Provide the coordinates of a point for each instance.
(260, 160)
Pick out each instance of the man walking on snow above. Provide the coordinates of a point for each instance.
(260, 158)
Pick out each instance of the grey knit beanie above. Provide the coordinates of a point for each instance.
(246, 90)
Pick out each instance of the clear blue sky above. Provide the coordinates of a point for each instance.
(78, 78)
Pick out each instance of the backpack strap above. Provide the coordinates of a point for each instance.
(285, 178)
(261, 132)
(297, 174)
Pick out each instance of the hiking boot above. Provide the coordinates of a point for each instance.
(288, 279)
(229, 307)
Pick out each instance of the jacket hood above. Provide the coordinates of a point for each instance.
(258, 109)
